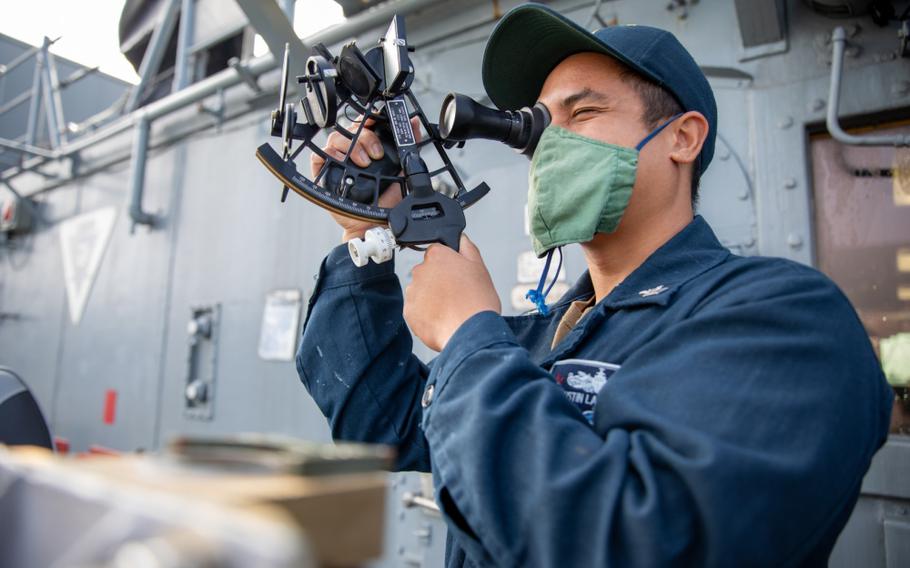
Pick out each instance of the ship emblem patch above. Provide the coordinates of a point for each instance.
(582, 379)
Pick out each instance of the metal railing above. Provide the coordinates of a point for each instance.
(45, 91)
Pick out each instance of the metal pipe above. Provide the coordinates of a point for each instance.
(32, 123)
(227, 78)
(77, 76)
(16, 101)
(23, 147)
(248, 78)
(94, 121)
(47, 97)
(22, 58)
(173, 102)
(56, 100)
(839, 40)
(184, 41)
(137, 175)
(16, 62)
(151, 60)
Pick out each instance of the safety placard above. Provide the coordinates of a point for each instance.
(83, 240)
(280, 319)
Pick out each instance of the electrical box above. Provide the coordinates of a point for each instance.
(15, 215)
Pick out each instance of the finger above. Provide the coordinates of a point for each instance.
(469, 250)
(391, 196)
(368, 146)
(316, 163)
(337, 154)
(368, 138)
(370, 141)
(415, 126)
(358, 155)
(435, 250)
(359, 119)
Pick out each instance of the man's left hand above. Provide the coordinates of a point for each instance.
(446, 289)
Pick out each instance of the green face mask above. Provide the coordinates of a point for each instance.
(578, 187)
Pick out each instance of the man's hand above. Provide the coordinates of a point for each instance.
(447, 288)
(368, 148)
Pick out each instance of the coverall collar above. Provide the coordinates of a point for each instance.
(686, 255)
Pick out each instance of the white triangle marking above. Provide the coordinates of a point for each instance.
(83, 240)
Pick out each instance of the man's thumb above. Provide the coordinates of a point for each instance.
(468, 250)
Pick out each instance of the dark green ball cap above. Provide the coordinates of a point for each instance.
(530, 40)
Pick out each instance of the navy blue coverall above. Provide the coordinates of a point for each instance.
(741, 410)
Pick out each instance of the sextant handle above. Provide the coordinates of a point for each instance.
(362, 188)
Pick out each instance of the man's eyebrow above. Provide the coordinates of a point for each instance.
(584, 95)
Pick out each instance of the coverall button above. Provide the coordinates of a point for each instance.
(427, 396)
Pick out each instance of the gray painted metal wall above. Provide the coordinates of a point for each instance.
(224, 238)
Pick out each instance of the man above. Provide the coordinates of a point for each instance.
(678, 406)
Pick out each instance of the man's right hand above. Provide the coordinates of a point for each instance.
(368, 148)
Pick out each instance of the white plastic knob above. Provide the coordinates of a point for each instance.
(378, 244)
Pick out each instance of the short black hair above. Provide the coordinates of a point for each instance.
(659, 105)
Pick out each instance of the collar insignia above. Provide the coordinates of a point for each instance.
(652, 291)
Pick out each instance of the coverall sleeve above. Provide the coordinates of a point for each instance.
(356, 359)
(737, 437)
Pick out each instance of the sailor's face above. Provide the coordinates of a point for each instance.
(586, 94)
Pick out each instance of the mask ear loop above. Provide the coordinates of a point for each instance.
(656, 131)
(538, 295)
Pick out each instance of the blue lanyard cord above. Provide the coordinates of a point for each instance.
(656, 131)
(556, 277)
(538, 296)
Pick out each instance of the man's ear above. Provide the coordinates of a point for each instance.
(689, 133)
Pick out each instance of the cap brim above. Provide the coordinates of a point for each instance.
(526, 45)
